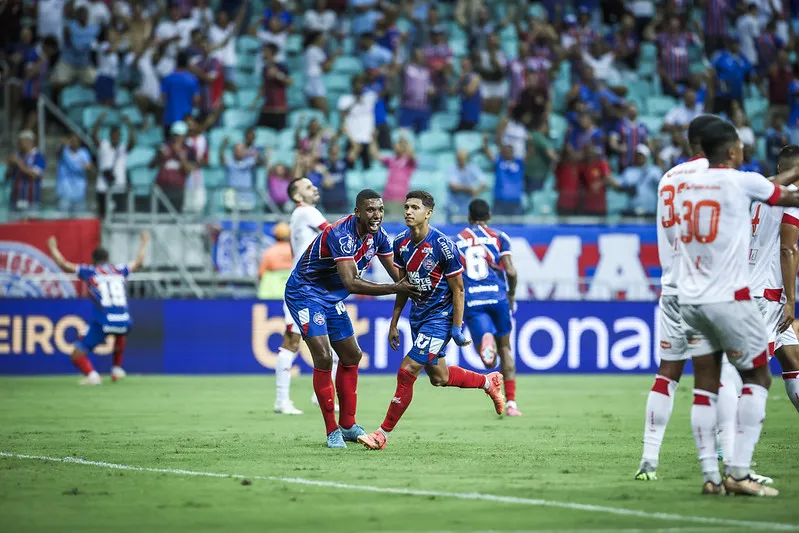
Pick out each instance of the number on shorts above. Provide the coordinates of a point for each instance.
(667, 193)
(694, 217)
(476, 264)
(112, 292)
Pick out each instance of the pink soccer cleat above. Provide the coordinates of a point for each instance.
(374, 441)
(512, 410)
(494, 390)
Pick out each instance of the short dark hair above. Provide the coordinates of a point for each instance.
(479, 210)
(183, 59)
(698, 125)
(716, 138)
(50, 42)
(789, 156)
(272, 47)
(427, 199)
(366, 195)
(99, 256)
(293, 185)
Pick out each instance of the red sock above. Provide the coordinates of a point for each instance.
(347, 391)
(510, 390)
(323, 387)
(465, 379)
(83, 364)
(119, 349)
(402, 399)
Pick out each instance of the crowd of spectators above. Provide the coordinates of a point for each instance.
(554, 92)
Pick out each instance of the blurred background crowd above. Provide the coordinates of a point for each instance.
(557, 107)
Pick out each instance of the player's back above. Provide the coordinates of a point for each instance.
(764, 244)
(481, 249)
(108, 291)
(667, 221)
(305, 225)
(713, 244)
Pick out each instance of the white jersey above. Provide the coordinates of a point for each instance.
(713, 246)
(764, 248)
(306, 223)
(667, 221)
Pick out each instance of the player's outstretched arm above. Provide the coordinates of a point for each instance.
(399, 305)
(139, 261)
(788, 198)
(357, 285)
(513, 278)
(458, 293)
(62, 263)
(789, 263)
(388, 263)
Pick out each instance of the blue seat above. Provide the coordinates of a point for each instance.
(435, 141)
(142, 177)
(444, 121)
(446, 161)
(471, 141)
(658, 106)
(91, 114)
(133, 114)
(338, 82)
(214, 177)
(246, 80)
(285, 140)
(247, 44)
(151, 137)
(488, 122)
(306, 115)
(404, 133)
(123, 98)
(140, 156)
(76, 96)
(230, 99)
(653, 124)
(347, 65)
(375, 178)
(265, 137)
(294, 44)
(246, 97)
(238, 118)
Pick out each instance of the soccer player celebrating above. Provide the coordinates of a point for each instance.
(107, 289)
(331, 269)
(714, 298)
(490, 283)
(305, 224)
(428, 257)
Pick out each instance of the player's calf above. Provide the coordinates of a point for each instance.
(788, 357)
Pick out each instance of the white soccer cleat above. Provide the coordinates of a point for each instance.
(92, 379)
(315, 401)
(287, 408)
(757, 478)
(117, 373)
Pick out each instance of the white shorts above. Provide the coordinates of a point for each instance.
(494, 89)
(291, 326)
(678, 341)
(772, 315)
(736, 328)
(315, 88)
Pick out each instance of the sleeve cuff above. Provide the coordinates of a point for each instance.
(506, 252)
(775, 196)
(324, 225)
(459, 271)
(347, 258)
(397, 265)
(386, 254)
(790, 219)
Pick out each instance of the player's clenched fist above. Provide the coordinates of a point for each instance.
(393, 337)
(457, 335)
(404, 286)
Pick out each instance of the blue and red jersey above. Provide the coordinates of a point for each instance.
(107, 290)
(316, 271)
(482, 249)
(427, 263)
(631, 134)
(24, 188)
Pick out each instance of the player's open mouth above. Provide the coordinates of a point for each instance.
(374, 224)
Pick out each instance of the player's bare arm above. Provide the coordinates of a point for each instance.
(139, 261)
(399, 305)
(62, 263)
(787, 177)
(388, 263)
(513, 278)
(789, 264)
(458, 294)
(788, 198)
(357, 285)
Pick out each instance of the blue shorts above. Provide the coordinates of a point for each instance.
(491, 318)
(95, 334)
(430, 340)
(104, 88)
(418, 121)
(317, 318)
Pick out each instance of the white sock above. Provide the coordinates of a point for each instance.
(751, 412)
(704, 419)
(283, 375)
(659, 405)
(791, 380)
(729, 391)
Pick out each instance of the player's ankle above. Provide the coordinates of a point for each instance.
(487, 384)
(383, 432)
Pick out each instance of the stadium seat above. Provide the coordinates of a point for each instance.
(454, 104)
(123, 98)
(246, 80)
(140, 156)
(616, 201)
(91, 114)
(214, 177)
(238, 118)
(446, 161)
(557, 127)
(76, 96)
(295, 98)
(347, 65)
(431, 181)
(471, 141)
(306, 115)
(151, 137)
(755, 106)
(338, 82)
(133, 114)
(294, 44)
(285, 140)
(434, 141)
(245, 97)
(444, 121)
(375, 178)
(488, 122)
(230, 99)
(282, 156)
(142, 177)
(543, 202)
(404, 133)
(653, 124)
(658, 106)
(265, 137)
(426, 161)
(248, 45)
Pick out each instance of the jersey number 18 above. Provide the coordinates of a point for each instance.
(112, 293)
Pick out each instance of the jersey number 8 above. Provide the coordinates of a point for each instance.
(112, 293)
(476, 264)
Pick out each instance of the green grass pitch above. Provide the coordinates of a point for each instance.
(577, 443)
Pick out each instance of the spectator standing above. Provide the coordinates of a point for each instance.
(175, 163)
(468, 88)
(595, 176)
(626, 42)
(768, 44)
(534, 100)
(221, 35)
(374, 55)
(365, 17)
(99, 14)
(376, 83)
(678, 118)
(715, 24)
(277, 35)
(508, 179)
(196, 194)
(417, 89)
(625, 138)
(358, 116)
(74, 164)
(400, 169)
(732, 72)
(107, 68)
(492, 67)
(779, 76)
(674, 66)
(465, 182)
(777, 136)
(581, 134)
(168, 33)
(512, 131)
(278, 184)
(239, 176)
(745, 131)
(112, 165)
(24, 171)
(276, 80)
(320, 19)
(35, 67)
(316, 64)
(75, 61)
(541, 156)
(641, 179)
(276, 10)
(747, 29)
(439, 62)
(50, 19)
(333, 171)
(148, 95)
(180, 92)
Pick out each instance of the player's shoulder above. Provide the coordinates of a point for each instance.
(441, 242)
(401, 236)
(344, 226)
(685, 169)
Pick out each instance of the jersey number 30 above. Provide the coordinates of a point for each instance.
(476, 264)
(112, 293)
(700, 221)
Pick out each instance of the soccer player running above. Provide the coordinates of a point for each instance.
(110, 317)
(428, 258)
(305, 224)
(490, 283)
(773, 262)
(714, 298)
(331, 269)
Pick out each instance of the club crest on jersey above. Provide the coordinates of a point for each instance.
(370, 253)
(347, 244)
(18, 261)
(428, 263)
(319, 319)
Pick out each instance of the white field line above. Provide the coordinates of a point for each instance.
(475, 496)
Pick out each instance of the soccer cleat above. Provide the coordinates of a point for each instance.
(646, 472)
(92, 379)
(374, 441)
(287, 408)
(711, 489)
(488, 350)
(335, 439)
(748, 487)
(117, 373)
(494, 390)
(763, 480)
(315, 401)
(352, 434)
(512, 410)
